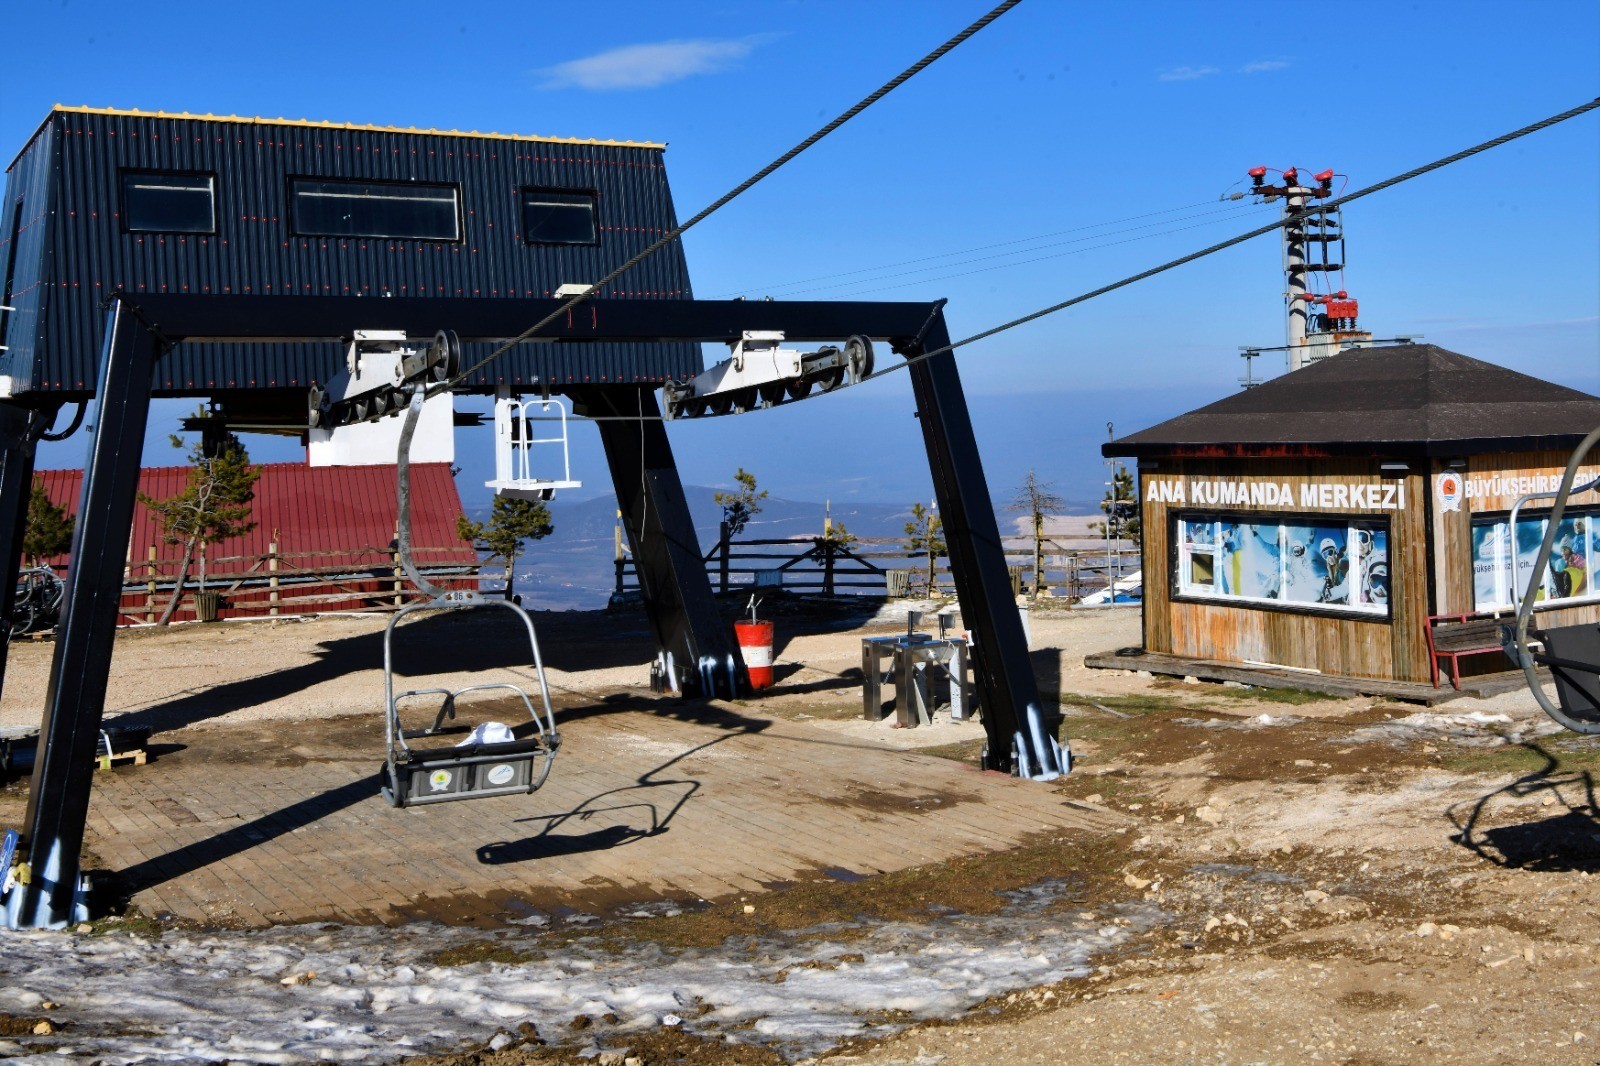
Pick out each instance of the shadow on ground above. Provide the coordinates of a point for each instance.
(1565, 841)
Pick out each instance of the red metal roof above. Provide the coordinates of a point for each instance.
(308, 510)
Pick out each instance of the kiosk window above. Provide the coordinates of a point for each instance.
(394, 210)
(154, 202)
(1502, 564)
(558, 217)
(1312, 564)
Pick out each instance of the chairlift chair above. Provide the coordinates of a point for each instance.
(483, 765)
(1571, 652)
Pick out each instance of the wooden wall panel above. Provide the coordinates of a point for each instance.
(1359, 646)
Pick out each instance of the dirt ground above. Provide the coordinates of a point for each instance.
(1342, 881)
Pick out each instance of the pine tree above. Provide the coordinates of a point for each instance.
(740, 506)
(213, 506)
(1121, 506)
(48, 531)
(511, 521)
(925, 536)
(1036, 500)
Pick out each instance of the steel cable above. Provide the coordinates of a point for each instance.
(1241, 238)
(1270, 227)
(666, 239)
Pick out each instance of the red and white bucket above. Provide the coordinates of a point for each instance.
(755, 642)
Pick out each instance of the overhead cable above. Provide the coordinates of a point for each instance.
(774, 289)
(867, 101)
(1271, 227)
(1241, 238)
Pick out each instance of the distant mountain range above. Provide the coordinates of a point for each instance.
(572, 569)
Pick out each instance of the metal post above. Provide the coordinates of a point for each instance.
(1020, 740)
(696, 645)
(723, 559)
(19, 431)
(58, 799)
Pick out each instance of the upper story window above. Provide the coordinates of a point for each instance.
(155, 202)
(558, 216)
(391, 209)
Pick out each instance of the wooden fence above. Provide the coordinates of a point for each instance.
(284, 583)
(882, 566)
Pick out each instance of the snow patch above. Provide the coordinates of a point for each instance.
(378, 996)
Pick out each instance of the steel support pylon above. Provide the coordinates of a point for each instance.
(19, 434)
(696, 646)
(63, 770)
(1022, 739)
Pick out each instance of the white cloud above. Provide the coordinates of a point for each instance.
(1261, 66)
(646, 66)
(1187, 73)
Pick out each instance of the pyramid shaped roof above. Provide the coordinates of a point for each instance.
(1399, 400)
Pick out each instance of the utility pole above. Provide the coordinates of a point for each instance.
(1111, 517)
(1317, 325)
(1294, 266)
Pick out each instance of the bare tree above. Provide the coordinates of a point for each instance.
(214, 505)
(1036, 500)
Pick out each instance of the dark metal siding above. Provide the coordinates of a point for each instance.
(26, 214)
(254, 250)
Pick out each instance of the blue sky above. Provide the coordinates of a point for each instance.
(996, 178)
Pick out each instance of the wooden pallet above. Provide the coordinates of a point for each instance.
(137, 758)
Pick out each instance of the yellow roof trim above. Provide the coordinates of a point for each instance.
(309, 123)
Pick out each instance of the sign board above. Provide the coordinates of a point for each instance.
(1311, 494)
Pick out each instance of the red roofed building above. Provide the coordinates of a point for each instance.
(323, 541)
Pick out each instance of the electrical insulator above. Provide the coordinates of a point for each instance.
(1291, 175)
(1256, 174)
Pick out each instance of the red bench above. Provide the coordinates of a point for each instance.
(1450, 636)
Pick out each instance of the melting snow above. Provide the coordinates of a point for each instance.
(377, 996)
(1260, 721)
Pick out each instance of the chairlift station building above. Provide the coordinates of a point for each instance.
(1318, 521)
(102, 201)
(237, 258)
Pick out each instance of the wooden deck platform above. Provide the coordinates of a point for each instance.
(256, 824)
(1332, 684)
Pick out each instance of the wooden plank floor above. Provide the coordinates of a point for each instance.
(1482, 685)
(256, 824)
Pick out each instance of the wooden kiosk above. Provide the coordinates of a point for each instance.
(1328, 519)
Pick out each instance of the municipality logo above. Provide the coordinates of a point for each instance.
(1449, 485)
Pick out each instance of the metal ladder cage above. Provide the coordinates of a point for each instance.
(513, 449)
(414, 776)
(1571, 652)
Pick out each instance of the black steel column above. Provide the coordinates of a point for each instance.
(63, 771)
(697, 645)
(1021, 740)
(19, 433)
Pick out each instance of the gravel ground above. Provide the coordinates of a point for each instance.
(1348, 881)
